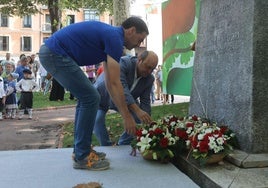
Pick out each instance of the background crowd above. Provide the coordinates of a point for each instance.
(11, 72)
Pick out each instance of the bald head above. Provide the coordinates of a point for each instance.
(147, 62)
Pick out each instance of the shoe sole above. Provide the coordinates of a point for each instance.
(92, 169)
(82, 167)
(101, 158)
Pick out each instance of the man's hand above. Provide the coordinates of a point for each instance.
(129, 125)
(144, 117)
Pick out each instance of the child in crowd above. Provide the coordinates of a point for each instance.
(26, 86)
(11, 96)
(2, 97)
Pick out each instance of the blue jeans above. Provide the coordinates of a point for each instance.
(66, 71)
(100, 130)
(102, 134)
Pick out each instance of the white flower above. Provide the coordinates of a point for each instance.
(211, 138)
(212, 145)
(144, 132)
(144, 143)
(232, 135)
(173, 123)
(218, 149)
(189, 130)
(200, 136)
(187, 142)
(220, 141)
(208, 130)
(180, 125)
(168, 135)
(154, 127)
(171, 141)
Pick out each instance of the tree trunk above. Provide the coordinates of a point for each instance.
(121, 11)
(55, 15)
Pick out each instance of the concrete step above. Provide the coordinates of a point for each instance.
(223, 174)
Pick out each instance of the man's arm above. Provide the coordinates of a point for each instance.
(115, 89)
(145, 98)
(143, 116)
(128, 68)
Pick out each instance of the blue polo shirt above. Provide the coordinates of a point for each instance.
(88, 42)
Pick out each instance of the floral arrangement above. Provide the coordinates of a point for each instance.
(171, 135)
(157, 140)
(205, 138)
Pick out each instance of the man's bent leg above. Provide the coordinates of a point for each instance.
(70, 76)
(100, 129)
(125, 139)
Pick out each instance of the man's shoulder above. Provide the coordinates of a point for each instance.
(128, 58)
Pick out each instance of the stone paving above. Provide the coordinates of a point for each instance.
(49, 168)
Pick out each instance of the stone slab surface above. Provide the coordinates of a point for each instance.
(230, 69)
(48, 168)
(245, 160)
(224, 174)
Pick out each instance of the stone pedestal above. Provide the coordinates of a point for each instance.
(230, 83)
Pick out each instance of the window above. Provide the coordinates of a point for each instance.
(90, 14)
(4, 20)
(4, 43)
(27, 21)
(70, 19)
(45, 38)
(47, 18)
(26, 44)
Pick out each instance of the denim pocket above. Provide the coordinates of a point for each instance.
(54, 62)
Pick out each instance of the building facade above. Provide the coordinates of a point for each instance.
(25, 35)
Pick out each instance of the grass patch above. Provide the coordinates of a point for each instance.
(114, 122)
(42, 101)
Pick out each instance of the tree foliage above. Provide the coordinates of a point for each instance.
(30, 7)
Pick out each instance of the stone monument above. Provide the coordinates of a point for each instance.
(230, 83)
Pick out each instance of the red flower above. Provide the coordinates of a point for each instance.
(203, 146)
(139, 132)
(223, 129)
(194, 117)
(169, 120)
(193, 141)
(189, 124)
(158, 131)
(173, 118)
(181, 133)
(151, 133)
(217, 132)
(153, 123)
(164, 142)
(206, 137)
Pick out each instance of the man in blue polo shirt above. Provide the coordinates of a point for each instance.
(89, 43)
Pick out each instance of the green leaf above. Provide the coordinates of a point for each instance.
(185, 57)
(185, 40)
(154, 156)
